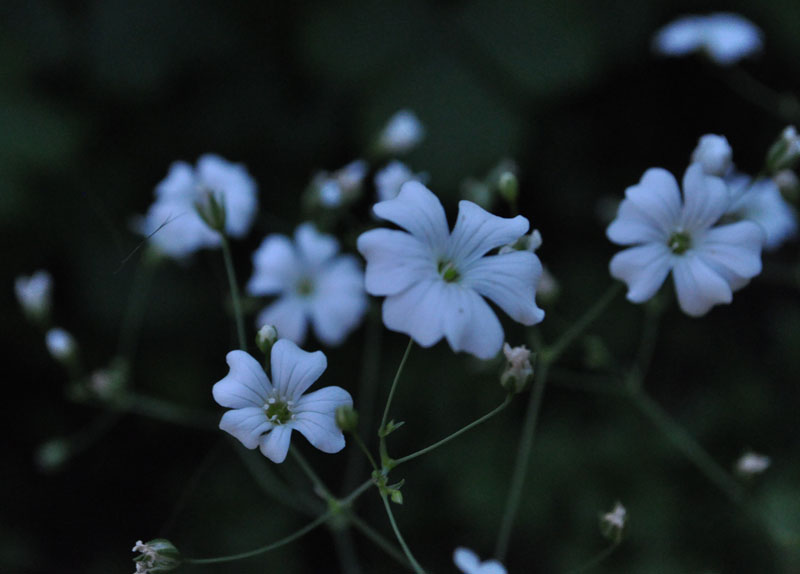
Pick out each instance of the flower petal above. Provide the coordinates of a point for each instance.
(339, 301)
(293, 369)
(477, 232)
(245, 385)
(246, 424)
(633, 226)
(289, 315)
(315, 417)
(237, 187)
(698, 286)
(314, 247)
(275, 444)
(466, 560)
(654, 202)
(705, 199)
(642, 268)
(735, 247)
(420, 212)
(470, 324)
(179, 185)
(417, 311)
(275, 266)
(510, 281)
(395, 260)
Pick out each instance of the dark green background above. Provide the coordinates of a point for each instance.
(97, 98)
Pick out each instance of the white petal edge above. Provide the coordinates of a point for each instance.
(246, 424)
(470, 324)
(477, 232)
(245, 385)
(642, 268)
(395, 260)
(417, 311)
(275, 444)
(293, 369)
(417, 210)
(698, 286)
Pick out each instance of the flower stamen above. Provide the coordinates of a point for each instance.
(679, 242)
(448, 271)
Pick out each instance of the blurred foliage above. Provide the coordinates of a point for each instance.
(99, 96)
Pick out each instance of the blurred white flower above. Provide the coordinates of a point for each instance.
(519, 371)
(390, 179)
(34, 293)
(434, 279)
(340, 187)
(708, 263)
(266, 412)
(725, 38)
(751, 463)
(401, 133)
(156, 556)
(612, 524)
(469, 563)
(313, 283)
(714, 153)
(784, 153)
(172, 223)
(60, 343)
(761, 201)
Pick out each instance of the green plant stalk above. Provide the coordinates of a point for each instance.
(377, 538)
(383, 451)
(406, 550)
(234, 287)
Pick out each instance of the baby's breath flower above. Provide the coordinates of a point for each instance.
(264, 413)
(761, 202)
(751, 464)
(519, 371)
(612, 524)
(390, 179)
(468, 562)
(714, 153)
(725, 38)
(34, 294)
(331, 190)
(402, 133)
(156, 556)
(60, 344)
(434, 279)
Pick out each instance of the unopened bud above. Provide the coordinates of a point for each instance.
(714, 154)
(751, 464)
(784, 153)
(211, 209)
(508, 186)
(402, 133)
(34, 294)
(612, 524)
(530, 242)
(60, 344)
(157, 555)
(788, 185)
(347, 418)
(519, 371)
(266, 337)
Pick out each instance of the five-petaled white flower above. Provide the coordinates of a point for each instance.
(172, 222)
(708, 263)
(725, 38)
(314, 284)
(401, 133)
(34, 293)
(434, 279)
(266, 412)
(469, 563)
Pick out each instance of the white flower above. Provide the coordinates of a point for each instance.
(714, 153)
(761, 201)
(265, 413)
(469, 563)
(708, 263)
(313, 283)
(434, 279)
(616, 517)
(390, 179)
(34, 293)
(342, 186)
(751, 463)
(172, 222)
(402, 133)
(518, 371)
(60, 343)
(725, 38)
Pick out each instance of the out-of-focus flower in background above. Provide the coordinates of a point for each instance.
(725, 38)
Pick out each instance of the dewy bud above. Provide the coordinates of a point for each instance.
(157, 555)
(347, 418)
(266, 337)
(785, 152)
(714, 154)
(61, 344)
(211, 209)
(519, 371)
(612, 524)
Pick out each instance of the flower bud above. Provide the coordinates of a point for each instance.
(211, 209)
(266, 337)
(530, 242)
(347, 418)
(508, 186)
(34, 294)
(784, 153)
(157, 555)
(788, 185)
(714, 154)
(751, 464)
(612, 524)
(519, 371)
(60, 344)
(402, 133)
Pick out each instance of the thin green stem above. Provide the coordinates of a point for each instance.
(158, 409)
(456, 434)
(319, 486)
(597, 559)
(781, 105)
(523, 457)
(394, 383)
(234, 287)
(134, 312)
(406, 550)
(365, 450)
(346, 551)
(266, 480)
(287, 539)
(378, 539)
(553, 352)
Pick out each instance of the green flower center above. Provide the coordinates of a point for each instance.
(278, 411)
(679, 242)
(448, 271)
(305, 287)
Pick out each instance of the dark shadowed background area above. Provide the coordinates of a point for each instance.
(97, 98)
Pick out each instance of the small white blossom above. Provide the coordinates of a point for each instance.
(172, 222)
(707, 263)
(518, 371)
(751, 463)
(313, 283)
(60, 343)
(402, 133)
(612, 524)
(725, 38)
(341, 186)
(714, 153)
(761, 201)
(34, 293)
(469, 563)
(433, 279)
(266, 412)
(391, 178)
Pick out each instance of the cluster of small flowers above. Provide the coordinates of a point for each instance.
(724, 38)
